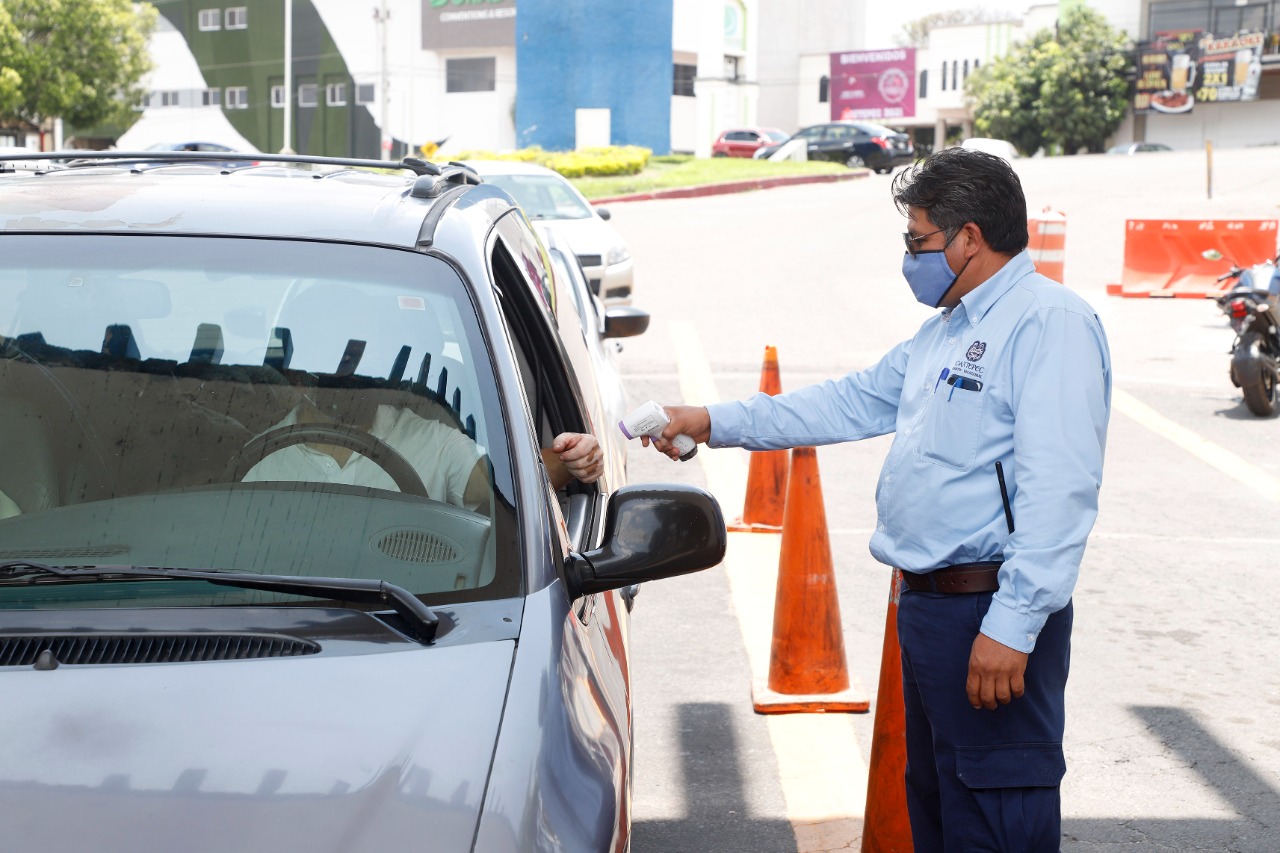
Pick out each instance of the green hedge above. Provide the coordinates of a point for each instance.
(594, 162)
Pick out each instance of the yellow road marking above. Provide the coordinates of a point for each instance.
(1234, 466)
(820, 766)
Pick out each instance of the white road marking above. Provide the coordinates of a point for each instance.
(1236, 467)
(820, 765)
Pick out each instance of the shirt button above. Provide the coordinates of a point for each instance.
(888, 478)
(880, 527)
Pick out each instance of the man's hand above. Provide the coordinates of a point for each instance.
(574, 455)
(995, 673)
(693, 421)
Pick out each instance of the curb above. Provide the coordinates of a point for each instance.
(742, 186)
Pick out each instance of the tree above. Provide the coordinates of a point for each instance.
(1064, 90)
(78, 60)
(10, 80)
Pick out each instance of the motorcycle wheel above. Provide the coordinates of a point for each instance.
(1261, 396)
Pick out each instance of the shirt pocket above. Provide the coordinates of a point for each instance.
(949, 435)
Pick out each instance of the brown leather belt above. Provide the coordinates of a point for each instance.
(965, 577)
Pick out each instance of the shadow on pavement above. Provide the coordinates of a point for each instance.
(1255, 802)
(717, 815)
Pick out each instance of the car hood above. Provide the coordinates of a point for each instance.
(591, 236)
(364, 752)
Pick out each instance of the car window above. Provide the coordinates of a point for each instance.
(810, 133)
(776, 136)
(224, 403)
(544, 196)
(839, 132)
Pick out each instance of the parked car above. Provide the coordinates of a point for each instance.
(856, 144)
(998, 147)
(745, 141)
(282, 566)
(1138, 148)
(545, 194)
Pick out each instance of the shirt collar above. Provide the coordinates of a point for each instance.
(980, 300)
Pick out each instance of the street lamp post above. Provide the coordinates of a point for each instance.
(288, 78)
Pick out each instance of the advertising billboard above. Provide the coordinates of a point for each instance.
(873, 85)
(1178, 69)
(468, 23)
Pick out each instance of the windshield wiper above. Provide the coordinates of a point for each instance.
(422, 622)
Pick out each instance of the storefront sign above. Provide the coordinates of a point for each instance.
(468, 23)
(1180, 68)
(873, 85)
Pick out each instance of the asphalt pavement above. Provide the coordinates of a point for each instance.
(1174, 694)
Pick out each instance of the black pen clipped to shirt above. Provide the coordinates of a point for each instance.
(1004, 496)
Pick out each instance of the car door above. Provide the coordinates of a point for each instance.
(837, 142)
(813, 140)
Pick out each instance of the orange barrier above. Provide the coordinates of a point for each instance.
(807, 667)
(1162, 257)
(1048, 246)
(886, 828)
(767, 472)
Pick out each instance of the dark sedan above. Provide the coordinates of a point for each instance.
(856, 144)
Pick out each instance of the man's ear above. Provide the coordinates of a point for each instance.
(973, 241)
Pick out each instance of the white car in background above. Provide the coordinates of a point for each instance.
(546, 195)
(998, 147)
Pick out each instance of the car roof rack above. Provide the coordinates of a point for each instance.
(70, 159)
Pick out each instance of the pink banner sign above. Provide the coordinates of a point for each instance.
(873, 85)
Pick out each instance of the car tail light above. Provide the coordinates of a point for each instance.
(881, 141)
(1239, 309)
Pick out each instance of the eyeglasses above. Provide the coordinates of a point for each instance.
(912, 247)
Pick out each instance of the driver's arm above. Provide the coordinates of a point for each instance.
(573, 455)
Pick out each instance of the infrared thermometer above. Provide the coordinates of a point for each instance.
(650, 420)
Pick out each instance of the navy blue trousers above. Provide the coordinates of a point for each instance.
(980, 780)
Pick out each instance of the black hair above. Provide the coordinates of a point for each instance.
(956, 186)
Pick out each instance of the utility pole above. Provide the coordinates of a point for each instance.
(381, 15)
(287, 148)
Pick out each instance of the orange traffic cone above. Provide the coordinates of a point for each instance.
(807, 668)
(767, 473)
(886, 828)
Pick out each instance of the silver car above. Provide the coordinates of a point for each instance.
(281, 564)
(546, 195)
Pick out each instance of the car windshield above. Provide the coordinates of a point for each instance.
(776, 136)
(543, 196)
(268, 406)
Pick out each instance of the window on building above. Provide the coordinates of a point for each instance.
(366, 93)
(164, 99)
(955, 74)
(944, 77)
(732, 67)
(277, 96)
(976, 63)
(923, 87)
(473, 74)
(210, 19)
(211, 98)
(682, 80)
(1175, 15)
(824, 89)
(237, 97)
(335, 94)
(1251, 17)
(237, 18)
(308, 95)
(966, 70)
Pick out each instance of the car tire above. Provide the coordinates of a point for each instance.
(853, 161)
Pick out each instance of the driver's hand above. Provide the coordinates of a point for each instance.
(579, 455)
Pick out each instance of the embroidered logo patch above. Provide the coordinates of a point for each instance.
(976, 349)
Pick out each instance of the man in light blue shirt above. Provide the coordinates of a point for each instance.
(999, 406)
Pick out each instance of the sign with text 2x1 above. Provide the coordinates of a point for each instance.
(873, 85)
(1179, 68)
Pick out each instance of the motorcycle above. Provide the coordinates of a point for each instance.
(1252, 304)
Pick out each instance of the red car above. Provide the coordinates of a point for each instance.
(743, 141)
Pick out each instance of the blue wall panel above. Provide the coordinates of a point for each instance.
(593, 54)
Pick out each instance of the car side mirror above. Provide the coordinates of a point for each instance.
(623, 321)
(1211, 255)
(603, 213)
(651, 531)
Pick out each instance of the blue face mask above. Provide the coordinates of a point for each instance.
(929, 275)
